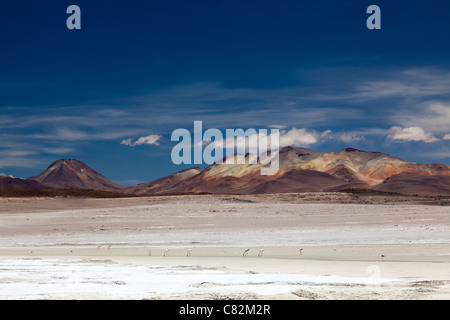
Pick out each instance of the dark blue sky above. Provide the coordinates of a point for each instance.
(144, 68)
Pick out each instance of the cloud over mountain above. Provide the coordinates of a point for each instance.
(296, 137)
(411, 134)
(150, 140)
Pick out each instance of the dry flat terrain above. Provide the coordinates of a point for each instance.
(285, 246)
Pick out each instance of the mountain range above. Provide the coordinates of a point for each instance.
(300, 170)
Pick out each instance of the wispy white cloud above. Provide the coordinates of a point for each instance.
(70, 134)
(446, 137)
(354, 135)
(277, 126)
(409, 85)
(432, 115)
(18, 162)
(350, 137)
(55, 150)
(150, 140)
(16, 153)
(222, 107)
(411, 134)
(19, 151)
(326, 133)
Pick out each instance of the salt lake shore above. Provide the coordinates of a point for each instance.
(280, 246)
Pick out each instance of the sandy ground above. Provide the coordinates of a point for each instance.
(192, 247)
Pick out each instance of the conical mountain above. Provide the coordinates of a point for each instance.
(74, 174)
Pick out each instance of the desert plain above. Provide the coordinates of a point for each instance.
(273, 246)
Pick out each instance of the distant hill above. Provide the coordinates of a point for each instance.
(74, 174)
(7, 182)
(304, 170)
(164, 184)
(413, 183)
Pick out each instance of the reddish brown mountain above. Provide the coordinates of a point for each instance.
(303, 170)
(7, 182)
(413, 183)
(164, 184)
(73, 174)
